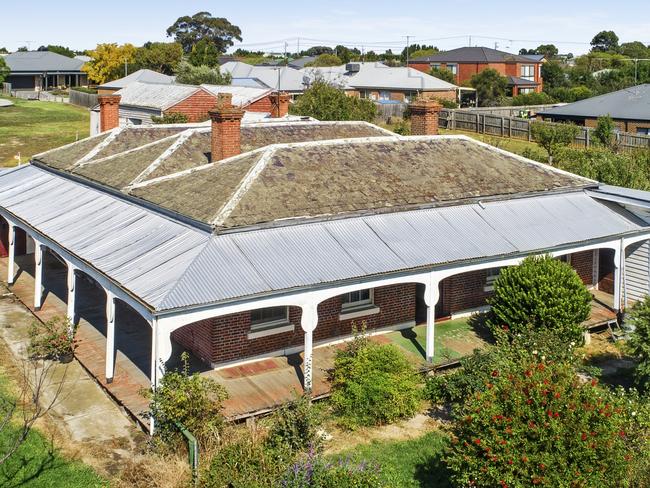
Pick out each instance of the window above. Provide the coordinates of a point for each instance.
(358, 299)
(435, 65)
(523, 91)
(134, 121)
(643, 131)
(492, 275)
(453, 68)
(384, 95)
(528, 72)
(265, 318)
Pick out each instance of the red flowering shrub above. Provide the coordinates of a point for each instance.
(538, 424)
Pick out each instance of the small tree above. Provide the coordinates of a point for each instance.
(639, 318)
(443, 74)
(540, 293)
(162, 57)
(198, 75)
(604, 131)
(325, 60)
(108, 61)
(4, 70)
(490, 87)
(325, 102)
(553, 137)
(170, 118)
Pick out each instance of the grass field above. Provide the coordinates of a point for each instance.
(413, 463)
(30, 127)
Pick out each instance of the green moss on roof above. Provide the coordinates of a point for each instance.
(120, 170)
(65, 157)
(195, 151)
(131, 138)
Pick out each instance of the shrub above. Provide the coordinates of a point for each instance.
(198, 75)
(325, 102)
(189, 399)
(325, 60)
(553, 136)
(532, 99)
(443, 74)
(296, 425)
(53, 339)
(639, 343)
(604, 131)
(536, 423)
(373, 384)
(540, 293)
(170, 118)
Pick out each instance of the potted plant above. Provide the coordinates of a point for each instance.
(53, 339)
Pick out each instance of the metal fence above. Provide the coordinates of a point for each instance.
(83, 99)
(518, 128)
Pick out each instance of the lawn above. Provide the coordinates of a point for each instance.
(30, 127)
(517, 146)
(37, 464)
(413, 463)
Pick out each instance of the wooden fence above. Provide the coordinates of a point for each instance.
(518, 128)
(83, 99)
(386, 111)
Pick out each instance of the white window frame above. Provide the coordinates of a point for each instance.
(453, 67)
(490, 278)
(270, 327)
(525, 90)
(528, 72)
(384, 95)
(365, 303)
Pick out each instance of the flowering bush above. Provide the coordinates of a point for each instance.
(296, 425)
(53, 339)
(537, 424)
(639, 318)
(540, 293)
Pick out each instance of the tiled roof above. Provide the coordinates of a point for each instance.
(473, 55)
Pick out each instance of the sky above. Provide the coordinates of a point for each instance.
(368, 24)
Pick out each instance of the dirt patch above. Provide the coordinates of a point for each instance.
(464, 346)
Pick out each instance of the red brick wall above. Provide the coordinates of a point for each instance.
(195, 107)
(583, 263)
(109, 112)
(225, 338)
(261, 105)
(4, 238)
(464, 291)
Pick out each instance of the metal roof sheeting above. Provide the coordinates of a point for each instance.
(40, 61)
(170, 266)
(143, 76)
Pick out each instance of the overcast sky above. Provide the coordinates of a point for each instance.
(375, 24)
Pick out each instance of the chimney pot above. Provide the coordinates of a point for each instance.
(424, 117)
(279, 104)
(226, 128)
(109, 111)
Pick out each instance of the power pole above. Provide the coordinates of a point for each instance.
(408, 38)
(286, 59)
(470, 41)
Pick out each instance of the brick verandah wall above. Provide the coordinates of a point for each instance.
(583, 263)
(225, 338)
(196, 106)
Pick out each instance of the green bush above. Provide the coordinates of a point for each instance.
(170, 118)
(552, 136)
(373, 384)
(189, 399)
(198, 75)
(604, 131)
(532, 99)
(540, 293)
(296, 425)
(53, 339)
(537, 423)
(639, 343)
(325, 102)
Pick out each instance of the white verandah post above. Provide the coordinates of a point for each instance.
(38, 275)
(71, 277)
(308, 322)
(110, 336)
(11, 271)
(431, 295)
(619, 263)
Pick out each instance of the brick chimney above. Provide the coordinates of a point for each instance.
(109, 112)
(424, 117)
(226, 128)
(279, 104)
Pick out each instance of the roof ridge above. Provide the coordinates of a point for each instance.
(93, 152)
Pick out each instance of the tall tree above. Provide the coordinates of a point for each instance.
(635, 49)
(548, 50)
(108, 61)
(605, 41)
(325, 60)
(22, 49)
(162, 57)
(62, 50)
(188, 31)
(204, 53)
(198, 75)
(318, 50)
(490, 86)
(553, 74)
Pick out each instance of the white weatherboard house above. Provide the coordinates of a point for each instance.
(294, 230)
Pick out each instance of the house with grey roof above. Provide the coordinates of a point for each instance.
(44, 70)
(141, 75)
(242, 242)
(524, 73)
(280, 78)
(629, 107)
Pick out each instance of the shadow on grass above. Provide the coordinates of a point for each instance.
(478, 323)
(432, 473)
(411, 335)
(32, 460)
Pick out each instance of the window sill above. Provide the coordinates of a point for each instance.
(355, 313)
(488, 288)
(273, 330)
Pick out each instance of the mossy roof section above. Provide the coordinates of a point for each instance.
(254, 137)
(65, 157)
(340, 178)
(131, 138)
(199, 194)
(120, 170)
(195, 151)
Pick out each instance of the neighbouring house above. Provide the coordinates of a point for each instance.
(524, 73)
(139, 102)
(281, 78)
(241, 242)
(385, 84)
(630, 109)
(142, 75)
(43, 70)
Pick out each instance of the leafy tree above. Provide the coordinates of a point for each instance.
(604, 131)
(532, 99)
(62, 50)
(188, 31)
(490, 86)
(370, 56)
(635, 49)
(523, 51)
(553, 74)
(198, 75)
(325, 60)
(325, 102)
(443, 74)
(108, 61)
(22, 49)
(346, 54)
(548, 50)
(553, 137)
(162, 57)
(639, 319)
(417, 50)
(204, 53)
(4, 70)
(3, 50)
(318, 50)
(605, 41)
(540, 293)
(535, 423)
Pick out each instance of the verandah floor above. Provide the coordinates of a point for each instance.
(253, 387)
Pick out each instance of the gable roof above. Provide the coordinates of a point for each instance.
(290, 79)
(377, 75)
(630, 103)
(241, 95)
(473, 55)
(517, 81)
(155, 95)
(143, 75)
(36, 62)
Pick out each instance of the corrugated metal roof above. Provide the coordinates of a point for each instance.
(290, 79)
(241, 95)
(154, 95)
(142, 75)
(170, 266)
(39, 61)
